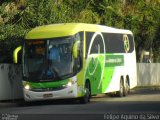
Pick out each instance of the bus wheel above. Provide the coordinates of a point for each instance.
(87, 95)
(120, 93)
(127, 87)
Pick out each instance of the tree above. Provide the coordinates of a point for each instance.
(140, 16)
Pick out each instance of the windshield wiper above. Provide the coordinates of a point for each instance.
(67, 76)
(56, 75)
(51, 74)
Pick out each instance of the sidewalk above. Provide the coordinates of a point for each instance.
(147, 89)
(10, 103)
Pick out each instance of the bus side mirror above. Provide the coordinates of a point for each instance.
(76, 49)
(15, 54)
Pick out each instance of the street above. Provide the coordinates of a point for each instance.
(144, 103)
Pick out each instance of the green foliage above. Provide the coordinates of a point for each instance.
(140, 16)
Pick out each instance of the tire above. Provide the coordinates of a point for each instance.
(125, 92)
(127, 87)
(87, 96)
(120, 93)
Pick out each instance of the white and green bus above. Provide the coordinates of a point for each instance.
(77, 60)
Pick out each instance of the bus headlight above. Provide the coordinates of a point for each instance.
(27, 87)
(69, 84)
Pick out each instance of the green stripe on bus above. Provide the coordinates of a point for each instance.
(48, 84)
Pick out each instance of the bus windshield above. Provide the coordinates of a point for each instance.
(48, 60)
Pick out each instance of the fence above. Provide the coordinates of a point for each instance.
(10, 82)
(148, 74)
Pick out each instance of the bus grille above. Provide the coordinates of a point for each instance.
(47, 89)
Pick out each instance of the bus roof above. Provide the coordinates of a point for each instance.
(68, 29)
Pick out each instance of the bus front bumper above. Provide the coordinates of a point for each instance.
(66, 93)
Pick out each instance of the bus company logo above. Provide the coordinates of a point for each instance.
(126, 43)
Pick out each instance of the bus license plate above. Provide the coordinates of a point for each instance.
(47, 95)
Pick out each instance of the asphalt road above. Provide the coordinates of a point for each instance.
(140, 104)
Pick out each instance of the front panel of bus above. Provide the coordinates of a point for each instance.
(49, 68)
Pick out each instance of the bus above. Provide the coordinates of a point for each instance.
(77, 60)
